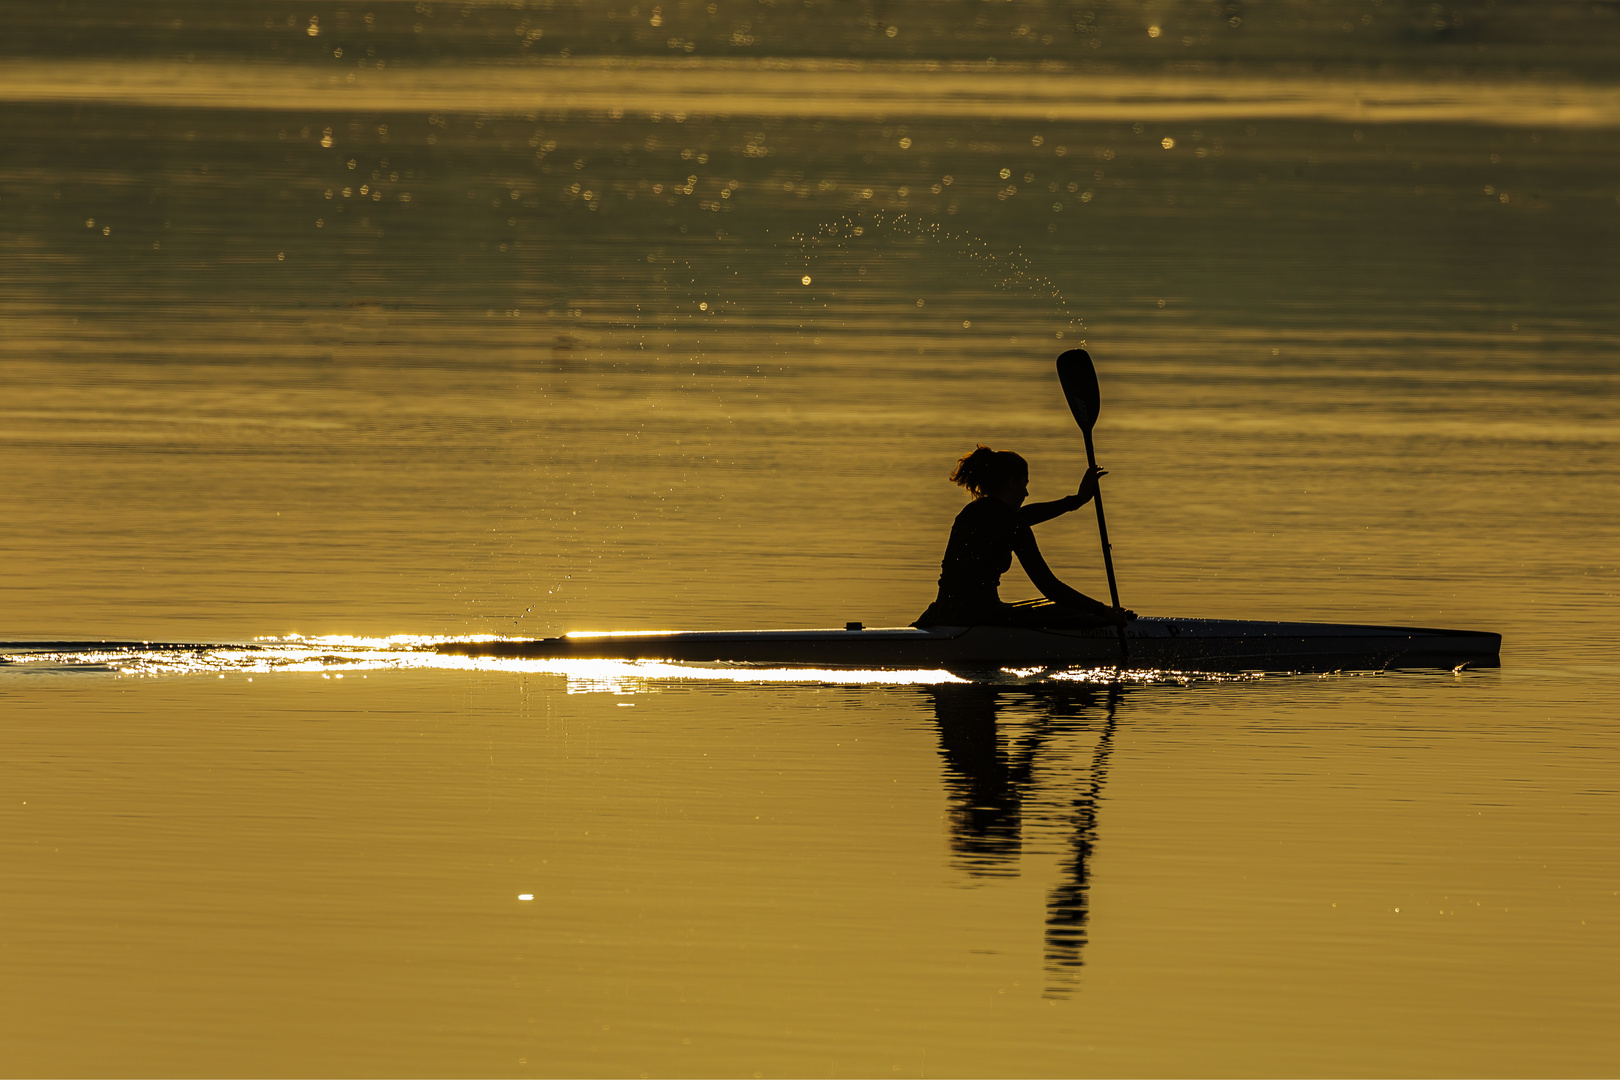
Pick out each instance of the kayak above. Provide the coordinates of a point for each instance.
(1216, 644)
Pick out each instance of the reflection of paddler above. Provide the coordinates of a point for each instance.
(990, 783)
(993, 528)
(984, 781)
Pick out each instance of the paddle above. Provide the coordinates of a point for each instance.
(1079, 379)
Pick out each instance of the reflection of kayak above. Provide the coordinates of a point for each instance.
(1218, 644)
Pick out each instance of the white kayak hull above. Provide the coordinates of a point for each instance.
(1189, 644)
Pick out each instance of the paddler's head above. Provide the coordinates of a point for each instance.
(994, 474)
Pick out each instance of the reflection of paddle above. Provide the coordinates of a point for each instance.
(1069, 908)
(1079, 379)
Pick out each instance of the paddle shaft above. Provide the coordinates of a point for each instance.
(1102, 530)
(1108, 549)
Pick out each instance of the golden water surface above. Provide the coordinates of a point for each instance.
(323, 326)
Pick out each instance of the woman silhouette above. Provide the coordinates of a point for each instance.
(993, 528)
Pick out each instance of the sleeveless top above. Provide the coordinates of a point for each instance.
(984, 538)
(980, 550)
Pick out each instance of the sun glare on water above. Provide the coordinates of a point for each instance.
(332, 656)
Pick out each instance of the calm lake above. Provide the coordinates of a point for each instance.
(331, 330)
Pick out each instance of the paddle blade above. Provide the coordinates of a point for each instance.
(1079, 381)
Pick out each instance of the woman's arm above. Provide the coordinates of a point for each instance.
(1029, 557)
(1035, 513)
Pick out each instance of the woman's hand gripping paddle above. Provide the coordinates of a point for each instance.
(1079, 379)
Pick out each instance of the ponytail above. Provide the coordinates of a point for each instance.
(985, 470)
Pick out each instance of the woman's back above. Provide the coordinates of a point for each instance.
(980, 550)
